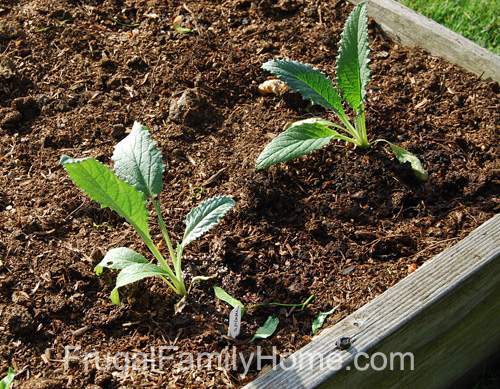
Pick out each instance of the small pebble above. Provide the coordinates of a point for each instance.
(382, 54)
(272, 87)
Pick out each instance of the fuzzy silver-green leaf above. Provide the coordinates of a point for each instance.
(205, 216)
(134, 273)
(311, 83)
(222, 295)
(267, 329)
(7, 381)
(119, 258)
(320, 320)
(299, 139)
(103, 186)
(353, 72)
(404, 156)
(138, 161)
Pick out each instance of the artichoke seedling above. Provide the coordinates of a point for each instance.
(136, 180)
(353, 75)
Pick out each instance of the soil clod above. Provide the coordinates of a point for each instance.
(341, 224)
(17, 319)
(191, 108)
(9, 118)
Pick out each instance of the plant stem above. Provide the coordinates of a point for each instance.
(348, 126)
(339, 127)
(273, 304)
(178, 286)
(171, 286)
(361, 128)
(380, 140)
(176, 258)
(306, 303)
(163, 228)
(178, 264)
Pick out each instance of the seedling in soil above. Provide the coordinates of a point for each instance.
(267, 329)
(353, 74)
(7, 381)
(222, 295)
(178, 25)
(271, 324)
(136, 180)
(320, 320)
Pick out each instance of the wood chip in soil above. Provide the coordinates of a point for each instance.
(341, 224)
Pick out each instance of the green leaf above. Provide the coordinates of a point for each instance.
(205, 216)
(404, 156)
(308, 81)
(320, 319)
(221, 294)
(299, 139)
(138, 161)
(182, 30)
(119, 258)
(102, 185)
(7, 381)
(115, 296)
(353, 72)
(267, 329)
(302, 305)
(134, 273)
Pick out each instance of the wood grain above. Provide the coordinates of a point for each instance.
(446, 313)
(412, 29)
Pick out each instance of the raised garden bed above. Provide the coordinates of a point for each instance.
(342, 224)
(443, 317)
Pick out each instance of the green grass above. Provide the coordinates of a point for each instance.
(478, 20)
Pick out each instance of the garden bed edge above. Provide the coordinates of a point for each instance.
(445, 314)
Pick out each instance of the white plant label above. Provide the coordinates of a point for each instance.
(234, 322)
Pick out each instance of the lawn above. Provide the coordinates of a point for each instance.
(477, 20)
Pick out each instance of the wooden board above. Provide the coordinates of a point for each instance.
(412, 29)
(447, 313)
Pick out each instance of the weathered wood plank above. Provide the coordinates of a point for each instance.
(446, 313)
(412, 29)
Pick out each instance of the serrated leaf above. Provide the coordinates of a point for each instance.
(133, 273)
(221, 294)
(353, 72)
(205, 216)
(320, 320)
(99, 183)
(308, 81)
(299, 139)
(267, 329)
(138, 161)
(7, 381)
(119, 258)
(404, 156)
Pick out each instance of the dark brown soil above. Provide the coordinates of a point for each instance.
(341, 224)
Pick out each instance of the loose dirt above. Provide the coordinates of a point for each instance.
(341, 224)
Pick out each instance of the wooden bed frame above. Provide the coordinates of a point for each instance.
(447, 313)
